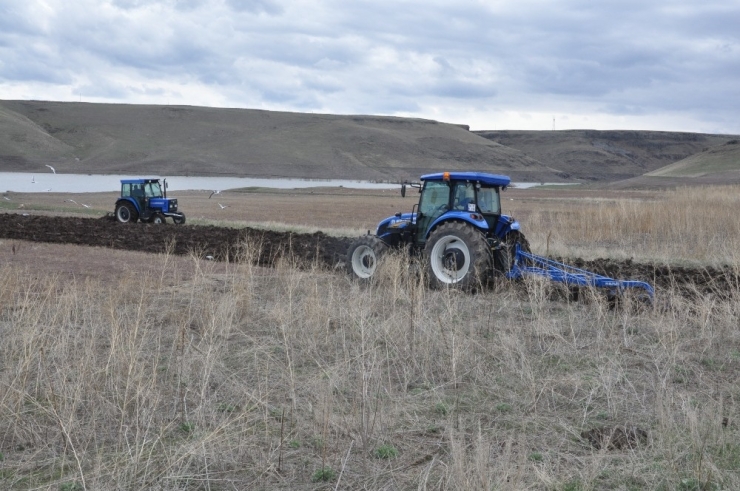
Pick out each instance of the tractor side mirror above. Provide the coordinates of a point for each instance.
(403, 190)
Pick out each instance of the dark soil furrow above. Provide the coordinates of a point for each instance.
(265, 247)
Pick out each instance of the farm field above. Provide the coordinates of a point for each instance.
(123, 369)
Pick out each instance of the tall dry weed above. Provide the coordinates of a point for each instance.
(690, 224)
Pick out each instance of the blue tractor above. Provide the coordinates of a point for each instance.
(146, 200)
(459, 230)
(457, 226)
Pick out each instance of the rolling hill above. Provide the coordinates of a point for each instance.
(184, 140)
(189, 140)
(591, 155)
(721, 160)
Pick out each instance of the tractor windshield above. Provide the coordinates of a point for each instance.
(435, 198)
(153, 190)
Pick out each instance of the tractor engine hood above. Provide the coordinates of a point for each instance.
(395, 223)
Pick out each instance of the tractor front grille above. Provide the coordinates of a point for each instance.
(173, 205)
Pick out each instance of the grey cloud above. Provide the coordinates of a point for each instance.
(256, 6)
(624, 58)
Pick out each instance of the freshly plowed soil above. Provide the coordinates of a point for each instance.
(220, 242)
(304, 249)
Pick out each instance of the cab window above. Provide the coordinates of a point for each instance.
(488, 201)
(464, 196)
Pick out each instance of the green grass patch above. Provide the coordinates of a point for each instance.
(324, 474)
(386, 452)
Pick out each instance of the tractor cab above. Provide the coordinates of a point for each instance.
(472, 197)
(469, 197)
(142, 192)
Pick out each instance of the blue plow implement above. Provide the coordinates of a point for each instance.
(526, 263)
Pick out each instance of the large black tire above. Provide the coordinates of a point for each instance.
(457, 255)
(504, 257)
(126, 213)
(179, 219)
(364, 255)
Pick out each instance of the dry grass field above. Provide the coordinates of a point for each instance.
(124, 370)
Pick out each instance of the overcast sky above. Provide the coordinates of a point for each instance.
(524, 64)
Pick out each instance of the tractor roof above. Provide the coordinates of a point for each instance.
(482, 177)
(138, 181)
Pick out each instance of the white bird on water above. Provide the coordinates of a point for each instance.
(52, 168)
(222, 206)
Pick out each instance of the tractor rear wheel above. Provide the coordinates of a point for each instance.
(364, 255)
(458, 255)
(159, 219)
(126, 213)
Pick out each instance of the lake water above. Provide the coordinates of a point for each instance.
(23, 182)
(26, 182)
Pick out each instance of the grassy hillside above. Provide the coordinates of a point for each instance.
(180, 140)
(22, 141)
(606, 155)
(721, 159)
(188, 140)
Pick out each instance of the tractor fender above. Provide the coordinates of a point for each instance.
(505, 225)
(475, 220)
(129, 200)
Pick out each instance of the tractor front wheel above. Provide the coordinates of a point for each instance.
(364, 255)
(126, 213)
(458, 255)
(179, 219)
(159, 219)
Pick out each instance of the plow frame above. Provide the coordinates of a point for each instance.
(528, 264)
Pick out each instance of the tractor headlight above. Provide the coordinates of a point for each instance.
(173, 205)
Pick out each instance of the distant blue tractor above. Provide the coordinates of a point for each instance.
(458, 229)
(457, 226)
(146, 200)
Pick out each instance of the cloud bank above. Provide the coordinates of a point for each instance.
(661, 65)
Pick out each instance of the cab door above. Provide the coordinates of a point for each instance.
(434, 201)
(489, 204)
